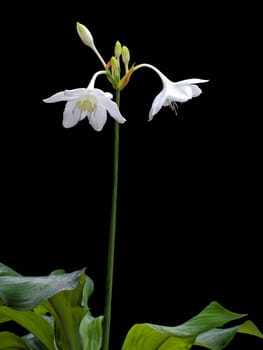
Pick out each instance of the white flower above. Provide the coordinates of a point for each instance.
(173, 92)
(87, 102)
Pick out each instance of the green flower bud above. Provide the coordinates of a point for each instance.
(114, 66)
(125, 54)
(85, 35)
(117, 49)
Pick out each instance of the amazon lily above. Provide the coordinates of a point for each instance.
(87, 102)
(172, 92)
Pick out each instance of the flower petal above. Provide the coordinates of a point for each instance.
(59, 96)
(108, 94)
(112, 108)
(157, 104)
(190, 81)
(181, 93)
(98, 117)
(66, 95)
(71, 115)
(196, 91)
(76, 93)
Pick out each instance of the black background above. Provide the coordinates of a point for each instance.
(189, 189)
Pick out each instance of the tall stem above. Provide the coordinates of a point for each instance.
(112, 234)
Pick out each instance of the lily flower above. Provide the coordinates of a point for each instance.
(172, 92)
(87, 102)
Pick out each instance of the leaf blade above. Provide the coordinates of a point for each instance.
(32, 322)
(26, 293)
(10, 341)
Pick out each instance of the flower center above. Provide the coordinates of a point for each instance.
(87, 104)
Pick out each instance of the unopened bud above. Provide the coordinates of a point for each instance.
(85, 35)
(87, 39)
(125, 54)
(117, 49)
(114, 66)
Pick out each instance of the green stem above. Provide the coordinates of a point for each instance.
(112, 234)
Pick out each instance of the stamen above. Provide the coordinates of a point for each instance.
(174, 106)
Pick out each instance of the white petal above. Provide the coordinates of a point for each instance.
(76, 92)
(59, 96)
(190, 81)
(83, 114)
(100, 92)
(66, 95)
(108, 94)
(181, 93)
(196, 90)
(71, 115)
(98, 117)
(112, 108)
(157, 104)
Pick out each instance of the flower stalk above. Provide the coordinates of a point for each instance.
(112, 235)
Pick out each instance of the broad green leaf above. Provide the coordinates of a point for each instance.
(87, 291)
(91, 332)
(218, 339)
(142, 336)
(32, 322)
(249, 327)
(214, 315)
(67, 311)
(10, 341)
(7, 271)
(26, 293)
(151, 337)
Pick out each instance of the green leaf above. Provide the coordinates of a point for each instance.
(63, 295)
(33, 343)
(32, 322)
(218, 339)
(91, 332)
(67, 311)
(26, 293)
(87, 291)
(152, 337)
(10, 341)
(214, 315)
(7, 271)
(143, 336)
(249, 327)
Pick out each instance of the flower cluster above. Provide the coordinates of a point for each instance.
(95, 104)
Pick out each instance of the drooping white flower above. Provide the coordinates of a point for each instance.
(173, 92)
(87, 102)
